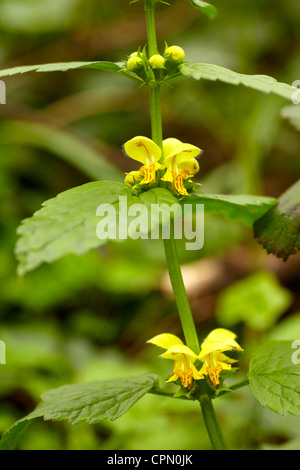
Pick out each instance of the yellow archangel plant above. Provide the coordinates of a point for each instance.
(211, 355)
(179, 162)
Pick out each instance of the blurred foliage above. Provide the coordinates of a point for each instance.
(88, 318)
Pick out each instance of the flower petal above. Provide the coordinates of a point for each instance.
(178, 351)
(169, 145)
(165, 340)
(143, 150)
(173, 378)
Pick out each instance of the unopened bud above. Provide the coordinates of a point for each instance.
(133, 178)
(176, 52)
(134, 62)
(157, 61)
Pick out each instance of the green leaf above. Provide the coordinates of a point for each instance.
(208, 9)
(67, 223)
(261, 83)
(62, 67)
(245, 208)
(287, 329)
(278, 231)
(274, 379)
(292, 114)
(62, 143)
(258, 301)
(85, 403)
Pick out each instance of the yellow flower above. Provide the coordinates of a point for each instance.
(183, 358)
(144, 150)
(211, 354)
(180, 161)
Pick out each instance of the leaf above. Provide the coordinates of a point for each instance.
(62, 143)
(261, 83)
(244, 208)
(287, 329)
(67, 223)
(292, 114)
(85, 403)
(274, 379)
(208, 9)
(61, 67)
(278, 231)
(258, 301)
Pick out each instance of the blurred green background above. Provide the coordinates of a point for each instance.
(89, 318)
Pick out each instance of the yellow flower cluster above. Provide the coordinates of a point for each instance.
(211, 355)
(179, 161)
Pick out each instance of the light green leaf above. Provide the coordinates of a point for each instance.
(292, 114)
(63, 144)
(274, 379)
(258, 301)
(245, 208)
(261, 83)
(208, 9)
(61, 67)
(67, 223)
(278, 231)
(287, 329)
(85, 403)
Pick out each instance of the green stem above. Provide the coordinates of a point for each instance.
(180, 295)
(156, 120)
(210, 418)
(151, 31)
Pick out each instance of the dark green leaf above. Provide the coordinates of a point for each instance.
(261, 83)
(208, 9)
(61, 67)
(244, 208)
(278, 231)
(274, 379)
(67, 223)
(85, 403)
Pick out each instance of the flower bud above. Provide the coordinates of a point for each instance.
(133, 178)
(134, 62)
(176, 52)
(157, 61)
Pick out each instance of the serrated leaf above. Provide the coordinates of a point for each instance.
(61, 67)
(84, 403)
(208, 9)
(67, 223)
(245, 208)
(257, 300)
(274, 379)
(262, 83)
(278, 231)
(292, 114)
